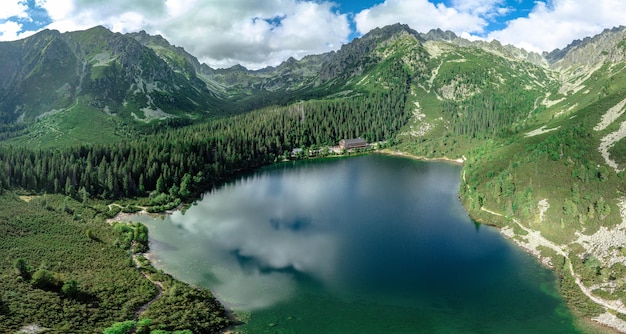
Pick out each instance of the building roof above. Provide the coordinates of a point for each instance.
(357, 141)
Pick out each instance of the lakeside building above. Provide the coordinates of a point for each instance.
(348, 144)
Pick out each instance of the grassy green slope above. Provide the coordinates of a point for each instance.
(468, 96)
(529, 139)
(564, 169)
(74, 126)
(562, 163)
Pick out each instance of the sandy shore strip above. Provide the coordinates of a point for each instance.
(459, 161)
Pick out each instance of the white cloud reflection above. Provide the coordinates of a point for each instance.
(251, 242)
(255, 251)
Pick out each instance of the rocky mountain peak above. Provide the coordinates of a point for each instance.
(609, 45)
(439, 35)
(389, 31)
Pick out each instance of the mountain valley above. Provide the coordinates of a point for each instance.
(95, 117)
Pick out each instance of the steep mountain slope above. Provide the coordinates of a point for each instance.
(94, 75)
(55, 83)
(25, 63)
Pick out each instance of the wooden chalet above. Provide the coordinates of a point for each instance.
(347, 144)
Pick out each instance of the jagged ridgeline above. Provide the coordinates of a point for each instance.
(95, 70)
(55, 86)
(435, 92)
(372, 106)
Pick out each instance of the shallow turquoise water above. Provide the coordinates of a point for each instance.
(369, 244)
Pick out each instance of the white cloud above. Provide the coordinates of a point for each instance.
(420, 15)
(117, 15)
(9, 31)
(255, 33)
(558, 23)
(57, 9)
(221, 33)
(551, 24)
(13, 9)
(480, 7)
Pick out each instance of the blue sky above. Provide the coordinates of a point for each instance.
(257, 33)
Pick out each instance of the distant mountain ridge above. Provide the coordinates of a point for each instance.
(138, 77)
(94, 68)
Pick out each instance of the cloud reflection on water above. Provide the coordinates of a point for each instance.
(375, 241)
(278, 226)
(330, 222)
(323, 221)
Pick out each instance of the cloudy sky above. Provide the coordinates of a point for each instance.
(258, 33)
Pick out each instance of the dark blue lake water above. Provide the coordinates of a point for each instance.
(371, 244)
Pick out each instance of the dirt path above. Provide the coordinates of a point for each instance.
(158, 284)
(534, 239)
(614, 305)
(482, 208)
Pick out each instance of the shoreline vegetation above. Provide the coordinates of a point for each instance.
(527, 239)
(545, 156)
(205, 311)
(78, 269)
(544, 139)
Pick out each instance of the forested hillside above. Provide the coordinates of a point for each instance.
(64, 270)
(162, 168)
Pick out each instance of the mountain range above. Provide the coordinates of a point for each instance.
(138, 78)
(541, 136)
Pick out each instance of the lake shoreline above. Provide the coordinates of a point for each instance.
(386, 151)
(451, 164)
(150, 256)
(611, 324)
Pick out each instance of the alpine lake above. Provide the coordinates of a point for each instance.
(367, 244)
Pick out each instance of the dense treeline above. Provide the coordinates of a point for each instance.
(576, 182)
(82, 288)
(184, 160)
(11, 130)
